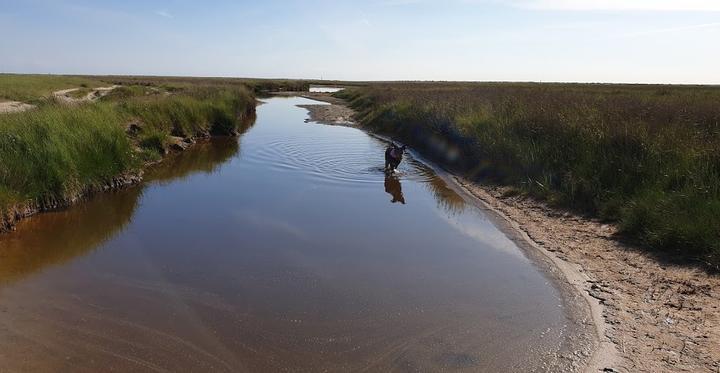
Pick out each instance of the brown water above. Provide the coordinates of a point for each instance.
(285, 250)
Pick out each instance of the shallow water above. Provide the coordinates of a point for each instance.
(325, 89)
(287, 249)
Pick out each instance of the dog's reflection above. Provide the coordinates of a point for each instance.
(394, 188)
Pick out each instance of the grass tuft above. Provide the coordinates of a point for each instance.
(57, 151)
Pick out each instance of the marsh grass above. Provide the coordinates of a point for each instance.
(58, 151)
(173, 84)
(647, 157)
(195, 112)
(126, 92)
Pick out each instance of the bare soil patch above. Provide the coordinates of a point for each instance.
(14, 107)
(65, 94)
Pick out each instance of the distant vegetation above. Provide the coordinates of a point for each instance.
(56, 152)
(31, 88)
(645, 156)
(173, 83)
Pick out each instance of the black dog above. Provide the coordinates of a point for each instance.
(393, 156)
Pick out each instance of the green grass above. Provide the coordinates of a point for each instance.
(179, 83)
(196, 112)
(30, 88)
(59, 151)
(644, 156)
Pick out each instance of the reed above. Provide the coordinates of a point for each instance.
(56, 151)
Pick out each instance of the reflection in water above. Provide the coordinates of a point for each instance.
(446, 198)
(56, 237)
(204, 157)
(394, 188)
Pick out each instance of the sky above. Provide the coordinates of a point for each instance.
(630, 41)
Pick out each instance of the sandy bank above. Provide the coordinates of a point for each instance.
(657, 315)
(14, 107)
(334, 114)
(94, 94)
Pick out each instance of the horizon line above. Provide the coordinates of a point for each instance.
(371, 80)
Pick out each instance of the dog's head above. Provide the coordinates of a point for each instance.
(399, 149)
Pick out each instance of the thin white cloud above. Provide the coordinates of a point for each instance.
(164, 13)
(579, 25)
(656, 5)
(401, 2)
(676, 29)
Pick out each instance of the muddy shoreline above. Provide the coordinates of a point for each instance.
(646, 313)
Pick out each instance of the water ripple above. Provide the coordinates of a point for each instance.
(350, 161)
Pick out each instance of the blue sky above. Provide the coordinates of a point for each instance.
(645, 41)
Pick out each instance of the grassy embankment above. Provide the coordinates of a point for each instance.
(56, 153)
(647, 157)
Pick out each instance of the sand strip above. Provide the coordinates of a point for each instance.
(14, 107)
(94, 94)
